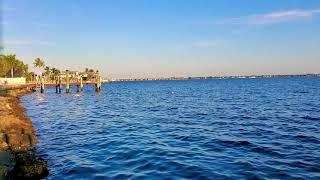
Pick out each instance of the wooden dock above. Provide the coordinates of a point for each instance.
(60, 81)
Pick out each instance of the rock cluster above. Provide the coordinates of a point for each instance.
(16, 131)
(17, 139)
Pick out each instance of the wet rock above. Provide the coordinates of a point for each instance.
(16, 129)
(3, 142)
(15, 141)
(28, 166)
(4, 171)
(25, 141)
(4, 146)
(6, 163)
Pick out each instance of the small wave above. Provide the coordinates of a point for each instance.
(301, 92)
(304, 138)
(81, 170)
(172, 108)
(122, 176)
(201, 114)
(311, 118)
(267, 151)
(154, 109)
(236, 143)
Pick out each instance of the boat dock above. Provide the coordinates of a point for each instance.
(62, 80)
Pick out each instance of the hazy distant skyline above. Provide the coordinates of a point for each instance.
(164, 38)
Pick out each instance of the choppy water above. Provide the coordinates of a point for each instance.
(203, 129)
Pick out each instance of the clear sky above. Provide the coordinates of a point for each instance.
(163, 38)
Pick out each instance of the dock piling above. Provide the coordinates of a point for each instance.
(57, 84)
(68, 79)
(42, 85)
(67, 82)
(78, 85)
(59, 81)
(98, 82)
(81, 83)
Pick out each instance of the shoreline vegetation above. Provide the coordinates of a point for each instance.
(11, 67)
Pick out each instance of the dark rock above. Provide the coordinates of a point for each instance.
(28, 166)
(6, 163)
(4, 171)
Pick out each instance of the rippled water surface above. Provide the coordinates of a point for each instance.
(202, 129)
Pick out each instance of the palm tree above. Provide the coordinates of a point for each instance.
(4, 65)
(47, 70)
(55, 72)
(9, 64)
(25, 69)
(30, 76)
(38, 63)
(11, 59)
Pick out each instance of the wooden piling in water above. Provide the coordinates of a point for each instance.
(81, 83)
(59, 81)
(98, 82)
(67, 82)
(57, 84)
(78, 85)
(42, 85)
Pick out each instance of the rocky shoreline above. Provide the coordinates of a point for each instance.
(17, 139)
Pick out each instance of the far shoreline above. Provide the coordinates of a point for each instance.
(211, 77)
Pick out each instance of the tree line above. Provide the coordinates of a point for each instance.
(11, 67)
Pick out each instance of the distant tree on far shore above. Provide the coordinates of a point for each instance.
(30, 76)
(38, 63)
(54, 73)
(89, 73)
(47, 70)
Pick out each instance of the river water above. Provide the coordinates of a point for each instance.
(197, 129)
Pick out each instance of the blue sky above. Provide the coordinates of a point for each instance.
(163, 38)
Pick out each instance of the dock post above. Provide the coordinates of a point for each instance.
(78, 85)
(42, 84)
(57, 84)
(59, 80)
(67, 82)
(81, 83)
(98, 82)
